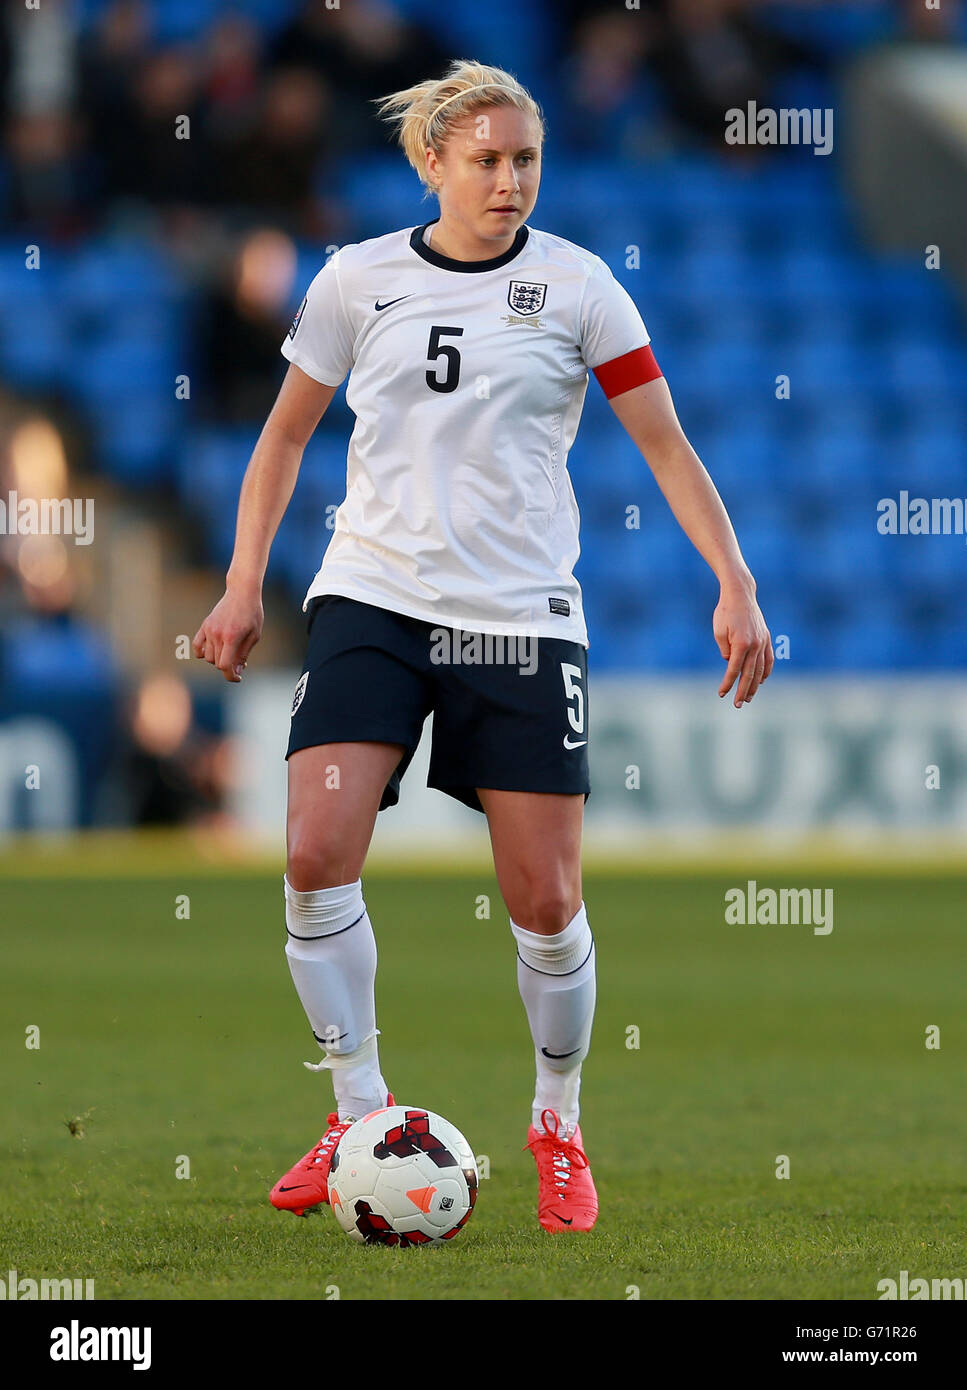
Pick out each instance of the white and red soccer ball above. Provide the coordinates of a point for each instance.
(403, 1176)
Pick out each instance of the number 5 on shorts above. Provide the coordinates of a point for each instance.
(573, 691)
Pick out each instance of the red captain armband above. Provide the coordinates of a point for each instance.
(631, 369)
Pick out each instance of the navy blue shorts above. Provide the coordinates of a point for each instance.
(508, 713)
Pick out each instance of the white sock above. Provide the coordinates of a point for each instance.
(331, 952)
(555, 975)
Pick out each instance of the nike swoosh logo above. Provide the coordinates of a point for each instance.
(560, 1054)
(296, 1188)
(579, 743)
(568, 1220)
(329, 1042)
(378, 307)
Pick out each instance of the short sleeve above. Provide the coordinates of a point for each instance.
(610, 324)
(321, 338)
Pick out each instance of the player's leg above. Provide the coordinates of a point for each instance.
(334, 796)
(334, 793)
(357, 716)
(510, 737)
(536, 840)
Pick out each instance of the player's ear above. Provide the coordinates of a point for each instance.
(432, 167)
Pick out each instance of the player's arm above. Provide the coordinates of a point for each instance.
(648, 415)
(234, 625)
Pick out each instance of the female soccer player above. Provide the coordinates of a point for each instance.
(468, 343)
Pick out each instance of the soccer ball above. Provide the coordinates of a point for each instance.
(403, 1176)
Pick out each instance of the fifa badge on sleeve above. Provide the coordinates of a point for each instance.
(298, 317)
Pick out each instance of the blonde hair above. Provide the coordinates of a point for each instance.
(425, 115)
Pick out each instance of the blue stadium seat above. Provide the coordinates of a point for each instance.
(123, 276)
(383, 192)
(928, 566)
(506, 33)
(210, 467)
(711, 273)
(921, 364)
(744, 457)
(767, 552)
(177, 20)
(35, 359)
(868, 641)
(838, 29)
(136, 435)
(62, 652)
(270, 15)
(31, 300)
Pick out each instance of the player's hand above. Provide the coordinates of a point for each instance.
(230, 632)
(744, 642)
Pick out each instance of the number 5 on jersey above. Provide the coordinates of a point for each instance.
(435, 350)
(575, 715)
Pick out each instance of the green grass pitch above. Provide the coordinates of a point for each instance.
(162, 1039)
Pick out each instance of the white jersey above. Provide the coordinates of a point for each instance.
(467, 379)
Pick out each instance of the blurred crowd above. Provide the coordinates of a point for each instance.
(89, 112)
(244, 127)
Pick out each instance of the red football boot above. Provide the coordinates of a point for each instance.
(566, 1198)
(307, 1184)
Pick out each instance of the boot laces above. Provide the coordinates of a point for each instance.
(557, 1148)
(337, 1128)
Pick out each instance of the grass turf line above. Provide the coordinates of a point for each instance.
(167, 1037)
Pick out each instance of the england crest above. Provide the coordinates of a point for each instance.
(300, 692)
(526, 298)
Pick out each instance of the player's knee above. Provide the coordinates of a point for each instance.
(546, 907)
(313, 863)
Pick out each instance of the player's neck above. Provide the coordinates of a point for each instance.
(460, 244)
